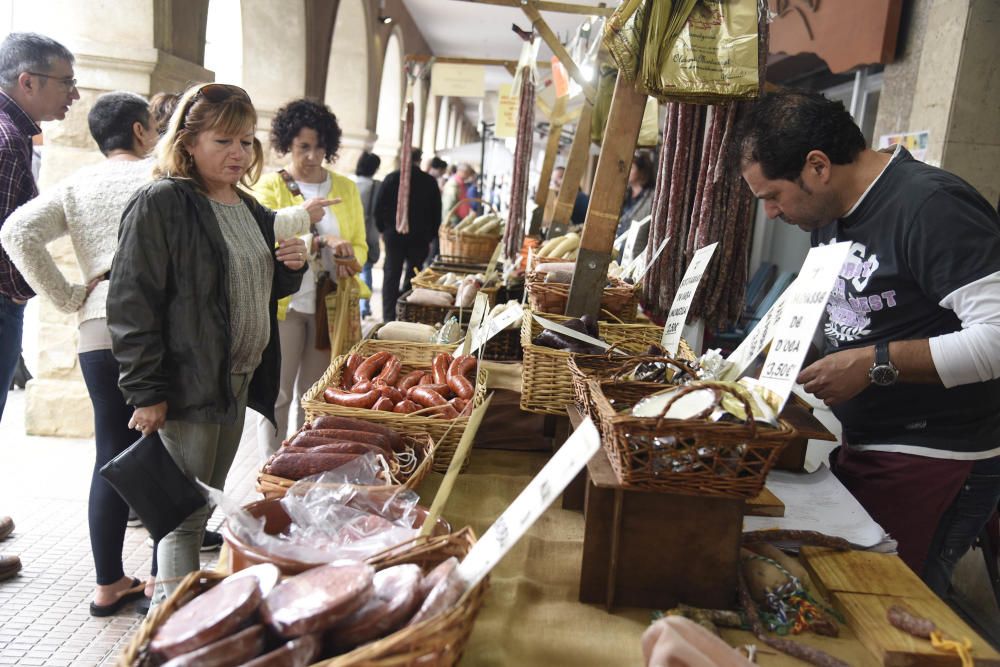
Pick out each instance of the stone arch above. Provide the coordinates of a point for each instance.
(347, 76)
(390, 104)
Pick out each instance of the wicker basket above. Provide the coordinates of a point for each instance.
(546, 383)
(416, 312)
(458, 264)
(534, 260)
(271, 486)
(715, 458)
(428, 280)
(476, 247)
(604, 367)
(620, 299)
(436, 641)
(414, 356)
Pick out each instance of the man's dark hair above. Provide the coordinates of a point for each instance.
(368, 164)
(161, 108)
(438, 163)
(111, 119)
(28, 51)
(291, 118)
(780, 129)
(415, 155)
(644, 164)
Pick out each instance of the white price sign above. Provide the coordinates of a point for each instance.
(682, 300)
(757, 339)
(531, 503)
(480, 308)
(804, 304)
(492, 326)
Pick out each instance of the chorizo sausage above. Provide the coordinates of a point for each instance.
(405, 407)
(351, 424)
(428, 378)
(296, 465)
(440, 367)
(390, 392)
(328, 435)
(372, 365)
(349, 400)
(442, 389)
(347, 374)
(445, 411)
(390, 372)
(409, 380)
(461, 405)
(426, 397)
(335, 447)
(462, 365)
(362, 387)
(457, 380)
(384, 404)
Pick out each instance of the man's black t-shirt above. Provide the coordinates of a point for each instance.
(918, 235)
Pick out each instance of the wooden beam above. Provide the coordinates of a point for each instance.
(576, 165)
(531, 11)
(620, 137)
(551, 151)
(559, 7)
(455, 60)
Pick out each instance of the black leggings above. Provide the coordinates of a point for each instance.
(107, 513)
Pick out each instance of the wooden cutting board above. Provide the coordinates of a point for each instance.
(863, 585)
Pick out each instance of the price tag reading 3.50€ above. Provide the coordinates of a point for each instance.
(803, 307)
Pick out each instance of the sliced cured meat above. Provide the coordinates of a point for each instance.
(208, 617)
(268, 575)
(395, 599)
(296, 653)
(229, 652)
(436, 575)
(442, 597)
(318, 598)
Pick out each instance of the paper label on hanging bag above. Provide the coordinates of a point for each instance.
(678, 313)
(521, 514)
(804, 305)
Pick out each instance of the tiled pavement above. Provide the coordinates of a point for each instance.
(44, 619)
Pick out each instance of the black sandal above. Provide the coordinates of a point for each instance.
(137, 590)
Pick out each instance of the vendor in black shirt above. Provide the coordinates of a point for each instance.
(912, 328)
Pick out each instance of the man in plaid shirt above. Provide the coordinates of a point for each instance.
(36, 84)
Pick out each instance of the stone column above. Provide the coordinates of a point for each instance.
(944, 82)
(113, 52)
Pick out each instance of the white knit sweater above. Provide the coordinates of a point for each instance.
(88, 207)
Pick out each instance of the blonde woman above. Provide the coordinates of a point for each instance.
(193, 297)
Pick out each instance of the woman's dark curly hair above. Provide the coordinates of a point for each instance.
(291, 118)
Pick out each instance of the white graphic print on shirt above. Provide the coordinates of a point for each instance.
(848, 309)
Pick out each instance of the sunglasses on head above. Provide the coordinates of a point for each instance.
(214, 93)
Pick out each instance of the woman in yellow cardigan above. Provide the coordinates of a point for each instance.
(309, 132)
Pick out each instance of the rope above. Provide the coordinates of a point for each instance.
(962, 647)
(793, 609)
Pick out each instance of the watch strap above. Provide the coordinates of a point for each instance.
(882, 353)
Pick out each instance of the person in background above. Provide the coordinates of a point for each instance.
(638, 192)
(36, 84)
(192, 300)
(364, 173)
(410, 249)
(309, 133)
(161, 108)
(455, 191)
(87, 207)
(438, 168)
(581, 202)
(473, 192)
(911, 361)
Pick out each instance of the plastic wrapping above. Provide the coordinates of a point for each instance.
(339, 514)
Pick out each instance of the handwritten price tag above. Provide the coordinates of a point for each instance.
(803, 308)
(682, 300)
(531, 503)
(480, 308)
(756, 340)
(492, 326)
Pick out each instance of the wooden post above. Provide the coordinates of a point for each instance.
(551, 150)
(620, 136)
(531, 11)
(576, 165)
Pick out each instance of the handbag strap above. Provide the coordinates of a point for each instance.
(291, 183)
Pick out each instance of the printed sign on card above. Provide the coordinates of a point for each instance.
(803, 308)
(682, 300)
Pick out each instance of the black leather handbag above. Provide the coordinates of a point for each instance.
(154, 486)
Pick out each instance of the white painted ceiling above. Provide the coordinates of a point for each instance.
(472, 30)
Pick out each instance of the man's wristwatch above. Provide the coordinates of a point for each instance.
(882, 372)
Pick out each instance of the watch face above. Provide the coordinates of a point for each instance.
(883, 375)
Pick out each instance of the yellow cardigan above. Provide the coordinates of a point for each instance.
(272, 192)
